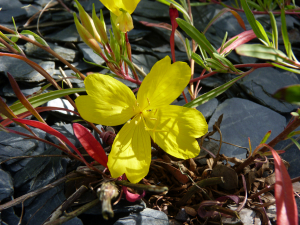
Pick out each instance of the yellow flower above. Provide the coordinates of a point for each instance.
(174, 128)
(122, 10)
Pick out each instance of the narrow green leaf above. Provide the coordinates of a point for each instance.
(284, 33)
(219, 14)
(255, 6)
(215, 64)
(225, 61)
(286, 68)
(295, 142)
(266, 137)
(293, 133)
(263, 32)
(261, 52)
(188, 48)
(213, 93)
(36, 37)
(197, 36)
(274, 30)
(251, 19)
(43, 98)
(95, 64)
(199, 61)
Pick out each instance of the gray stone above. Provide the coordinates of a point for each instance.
(21, 71)
(147, 216)
(153, 10)
(11, 8)
(144, 61)
(68, 34)
(17, 146)
(66, 130)
(136, 34)
(8, 91)
(61, 16)
(36, 52)
(263, 82)
(141, 49)
(162, 32)
(8, 216)
(88, 5)
(6, 185)
(242, 119)
(89, 55)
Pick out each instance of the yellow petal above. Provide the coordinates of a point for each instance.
(174, 129)
(115, 5)
(163, 84)
(131, 151)
(125, 22)
(109, 102)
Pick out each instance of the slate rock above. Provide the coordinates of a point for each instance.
(161, 31)
(153, 10)
(144, 61)
(48, 202)
(137, 34)
(88, 5)
(89, 55)
(25, 89)
(141, 49)
(66, 130)
(6, 185)
(8, 217)
(61, 16)
(147, 216)
(68, 54)
(21, 71)
(68, 34)
(11, 8)
(263, 82)
(12, 145)
(242, 119)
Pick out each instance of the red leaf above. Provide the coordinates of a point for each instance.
(243, 38)
(173, 15)
(52, 131)
(286, 208)
(239, 19)
(176, 173)
(90, 144)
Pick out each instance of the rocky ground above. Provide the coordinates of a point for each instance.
(247, 107)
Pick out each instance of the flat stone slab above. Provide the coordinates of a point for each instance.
(263, 82)
(21, 71)
(68, 54)
(242, 119)
(68, 34)
(11, 8)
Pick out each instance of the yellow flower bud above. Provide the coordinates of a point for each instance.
(124, 21)
(100, 26)
(86, 36)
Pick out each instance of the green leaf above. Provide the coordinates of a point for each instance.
(261, 52)
(266, 137)
(289, 94)
(295, 142)
(36, 37)
(199, 61)
(188, 48)
(197, 36)
(286, 68)
(274, 30)
(263, 32)
(215, 64)
(255, 6)
(43, 98)
(225, 61)
(213, 93)
(285, 34)
(251, 19)
(95, 64)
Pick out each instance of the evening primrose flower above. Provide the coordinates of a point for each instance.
(174, 128)
(122, 9)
